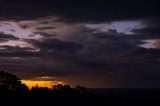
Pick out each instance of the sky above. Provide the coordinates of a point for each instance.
(96, 44)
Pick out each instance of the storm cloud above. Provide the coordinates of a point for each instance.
(92, 43)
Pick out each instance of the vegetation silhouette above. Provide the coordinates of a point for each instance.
(10, 83)
(14, 92)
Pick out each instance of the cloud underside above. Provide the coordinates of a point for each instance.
(94, 44)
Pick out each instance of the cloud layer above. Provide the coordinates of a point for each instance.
(95, 44)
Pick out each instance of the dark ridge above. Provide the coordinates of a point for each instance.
(14, 93)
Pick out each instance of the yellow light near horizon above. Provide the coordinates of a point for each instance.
(49, 84)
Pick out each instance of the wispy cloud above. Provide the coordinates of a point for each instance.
(151, 44)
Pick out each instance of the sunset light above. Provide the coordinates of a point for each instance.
(49, 84)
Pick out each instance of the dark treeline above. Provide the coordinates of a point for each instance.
(11, 85)
(14, 93)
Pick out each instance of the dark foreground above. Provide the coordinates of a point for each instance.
(14, 93)
(94, 97)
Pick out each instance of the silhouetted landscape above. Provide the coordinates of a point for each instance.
(79, 53)
(13, 92)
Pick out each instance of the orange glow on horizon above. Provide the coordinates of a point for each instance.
(49, 84)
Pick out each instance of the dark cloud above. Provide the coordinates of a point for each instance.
(148, 30)
(84, 11)
(135, 55)
(43, 28)
(18, 52)
(56, 45)
(44, 34)
(152, 28)
(4, 37)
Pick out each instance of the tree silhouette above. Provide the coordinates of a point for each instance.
(11, 83)
(80, 90)
(13, 92)
(41, 91)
